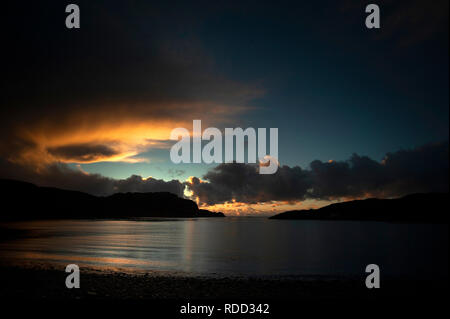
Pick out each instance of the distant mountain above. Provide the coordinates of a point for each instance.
(431, 207)
(23, 201)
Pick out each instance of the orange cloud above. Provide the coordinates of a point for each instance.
(115, 134)
(264, 209)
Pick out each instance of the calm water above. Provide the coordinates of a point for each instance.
(237, 246)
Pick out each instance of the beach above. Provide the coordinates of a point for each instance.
(48, 282)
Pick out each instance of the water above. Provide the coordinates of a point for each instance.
(236, 246)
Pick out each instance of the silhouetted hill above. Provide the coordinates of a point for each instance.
(21, 200)
(432, 207)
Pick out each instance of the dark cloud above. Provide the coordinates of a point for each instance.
(62, 176)
(243, 183)
(423, 169)
(122, 53)
(82, 152)
(135, 183)
(126, 65)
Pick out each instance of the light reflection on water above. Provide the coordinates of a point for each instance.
(255, 246)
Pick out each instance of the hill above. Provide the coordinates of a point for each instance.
(22, 201)
(431, 207)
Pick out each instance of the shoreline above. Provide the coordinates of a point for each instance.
(40, 281)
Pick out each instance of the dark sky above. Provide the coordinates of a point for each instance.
(100, 101)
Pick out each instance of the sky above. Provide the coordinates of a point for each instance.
(360, 112)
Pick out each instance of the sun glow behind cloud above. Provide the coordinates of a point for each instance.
(104, 142)
(234, 208)
(116, 134)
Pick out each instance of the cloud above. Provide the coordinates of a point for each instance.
(243, 183)
(62, 176)
(136, 183)
(423, 169)
(82, 153)
(119, 84)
